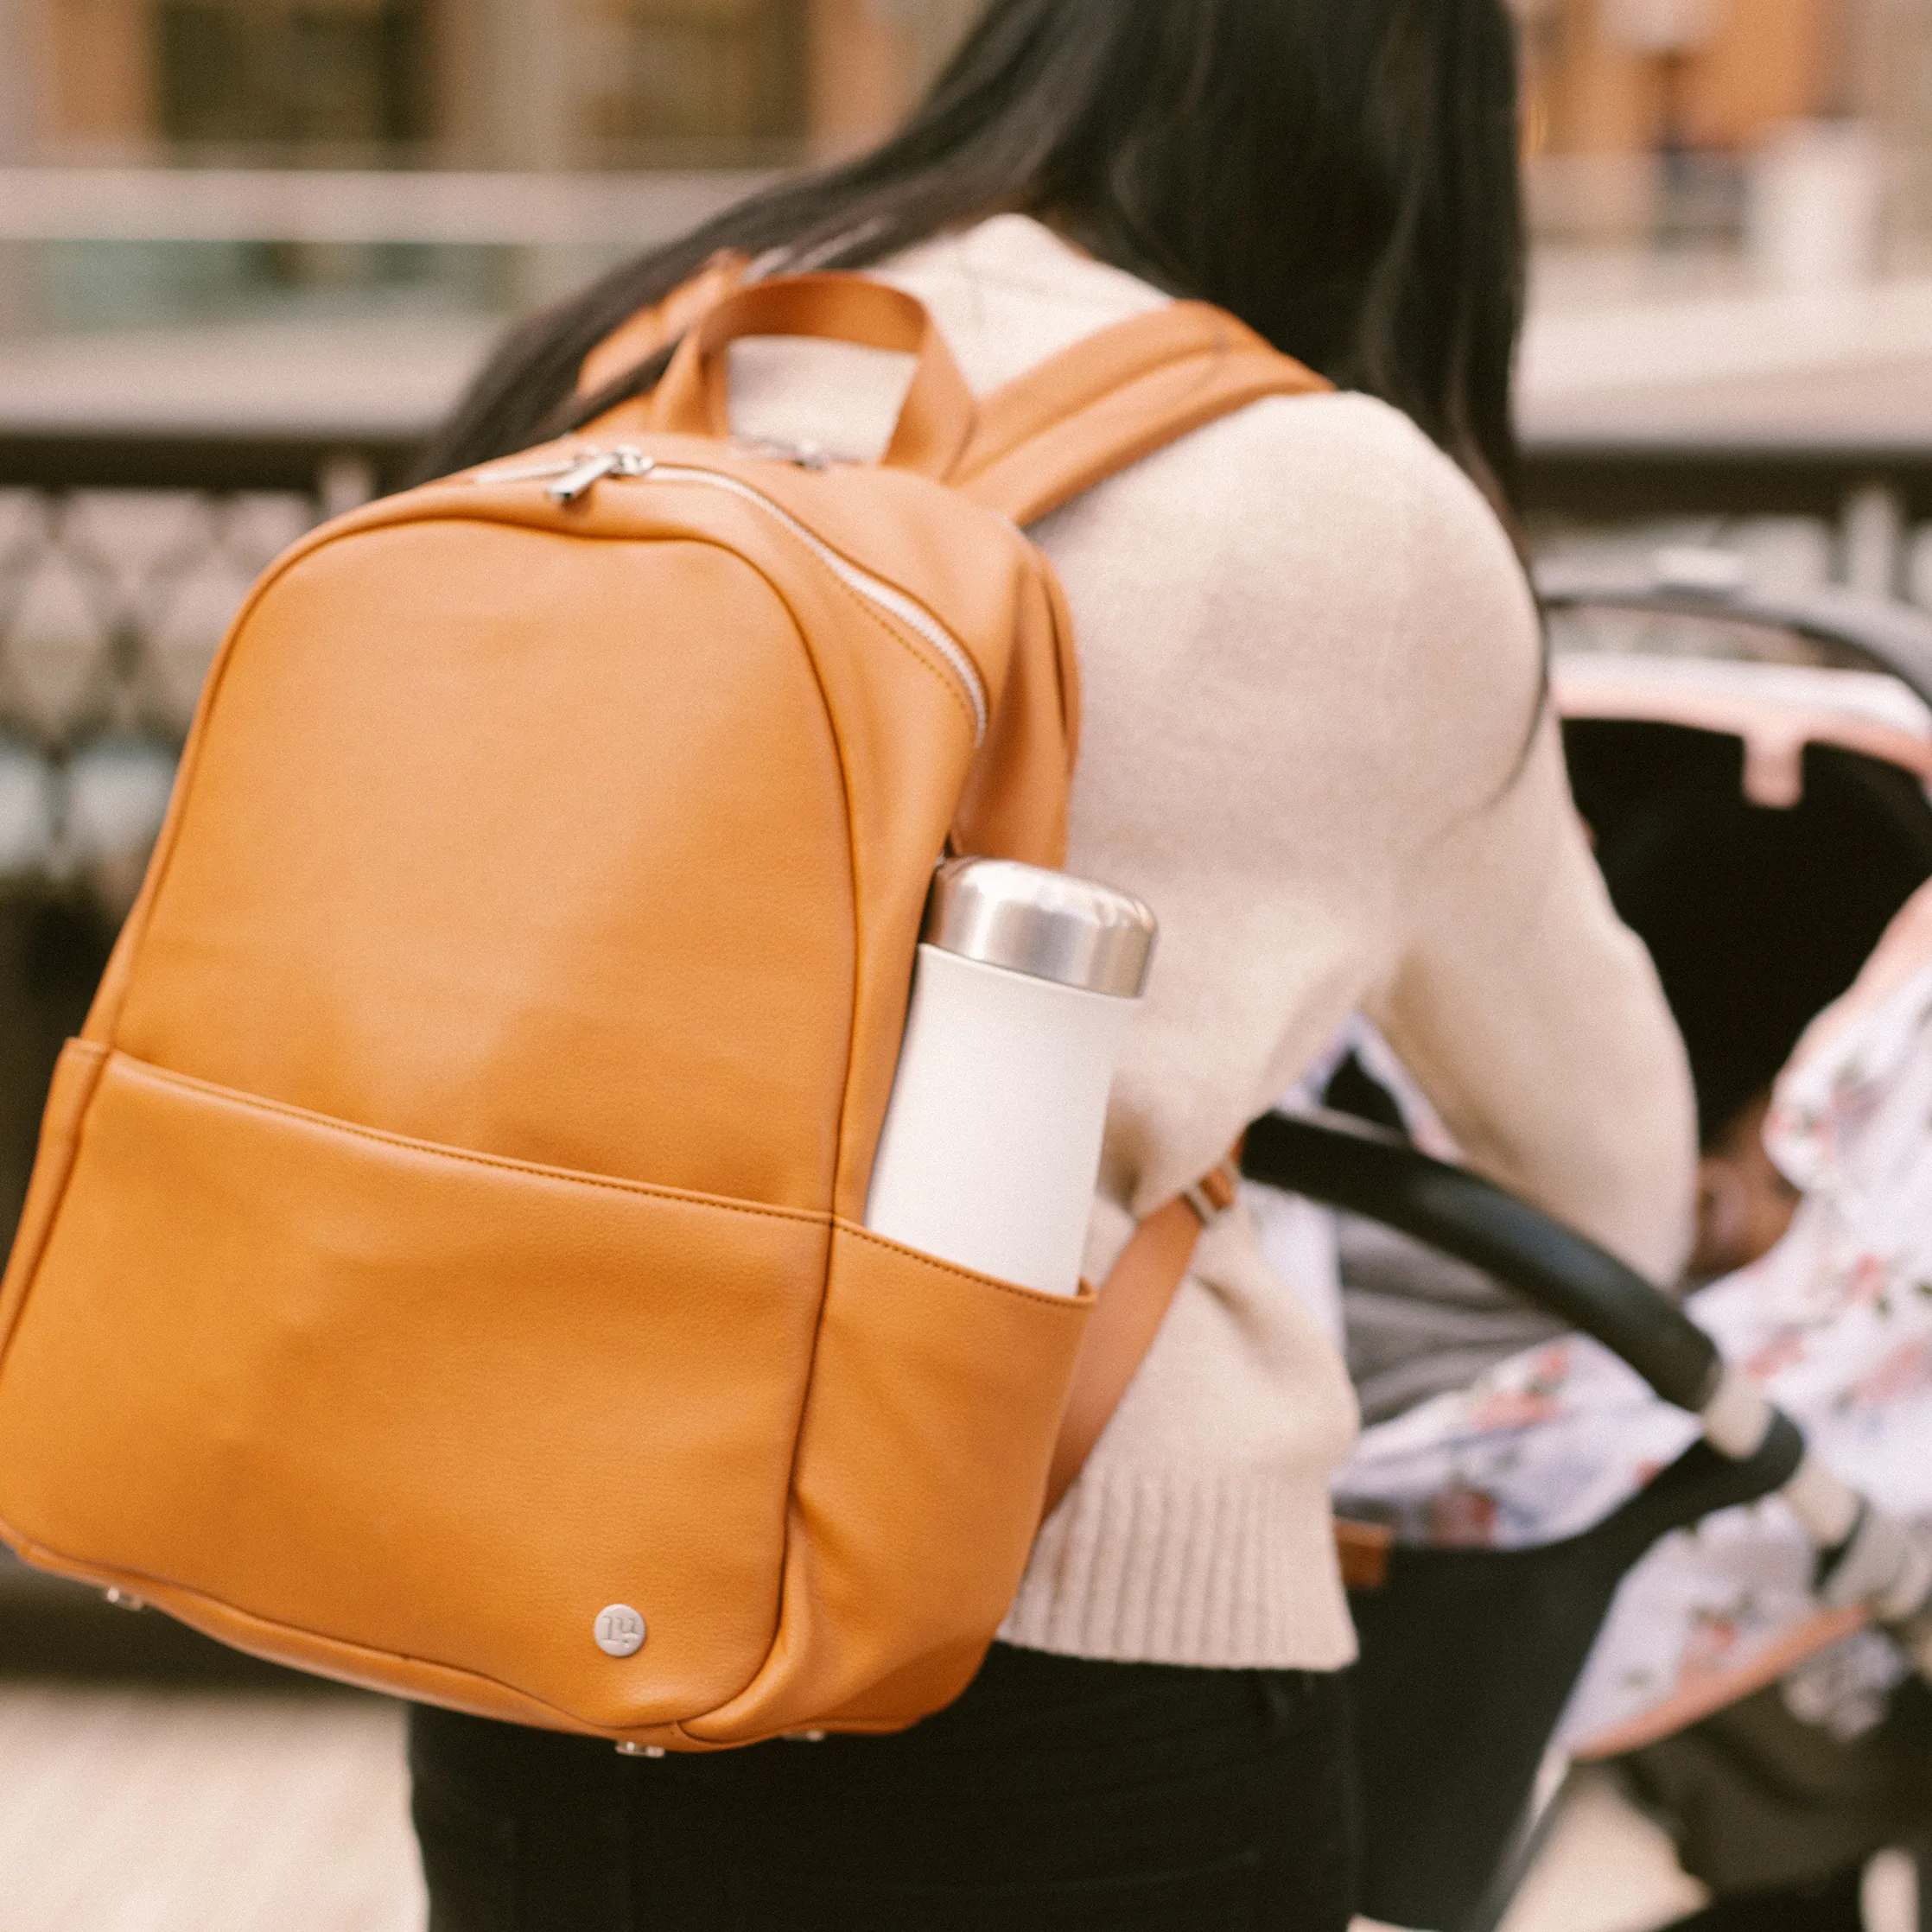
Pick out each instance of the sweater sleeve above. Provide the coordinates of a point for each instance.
(1312, 674)
(1531, 1017)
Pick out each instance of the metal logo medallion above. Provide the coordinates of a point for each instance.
(619, 1631)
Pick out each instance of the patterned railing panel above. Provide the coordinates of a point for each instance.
(112, 606)
(112, 603)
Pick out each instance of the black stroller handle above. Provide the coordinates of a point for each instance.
(1345, 1163)
(1469, 1654)
(1889, 636)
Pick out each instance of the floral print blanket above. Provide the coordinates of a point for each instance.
(1835, 1324)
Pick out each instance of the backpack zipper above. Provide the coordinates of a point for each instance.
(571, 478)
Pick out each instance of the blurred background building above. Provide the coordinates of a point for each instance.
(1680, 123)
(1672, 132)
(1675, 135)
(489, 83)
(552, 87)
(473, 83)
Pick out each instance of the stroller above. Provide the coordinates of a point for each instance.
(1798, 746)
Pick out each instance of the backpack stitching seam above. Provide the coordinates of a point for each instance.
(166, 1077)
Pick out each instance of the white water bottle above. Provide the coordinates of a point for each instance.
(1024, 982)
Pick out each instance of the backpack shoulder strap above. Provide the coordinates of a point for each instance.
(1112, 398)
(1078, 418)
(654, 329)
(1133, 1300)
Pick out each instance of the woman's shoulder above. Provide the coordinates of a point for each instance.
(1336, 485)
(1318, 553)
(1354, 452)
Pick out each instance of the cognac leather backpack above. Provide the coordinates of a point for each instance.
(444, 1269)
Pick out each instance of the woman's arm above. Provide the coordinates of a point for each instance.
(1533, 1021)
(1527, 1012)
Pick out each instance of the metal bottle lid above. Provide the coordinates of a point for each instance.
(1046, 923)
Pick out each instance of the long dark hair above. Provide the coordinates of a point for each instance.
(1342, 174)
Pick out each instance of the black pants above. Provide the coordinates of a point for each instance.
(1057, 1795)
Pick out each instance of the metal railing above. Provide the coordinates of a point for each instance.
(444, 207)
(1603, 479)
(122, 557)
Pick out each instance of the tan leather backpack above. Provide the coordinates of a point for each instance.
(444, 1269)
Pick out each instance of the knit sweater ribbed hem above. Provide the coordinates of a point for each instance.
(1145, 1565)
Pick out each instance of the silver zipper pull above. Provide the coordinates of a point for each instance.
(596, 463)
(583, 475)
(527, 473)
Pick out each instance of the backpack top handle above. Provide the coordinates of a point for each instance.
(937, 418)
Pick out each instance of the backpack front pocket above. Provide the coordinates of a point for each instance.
(344, 1398)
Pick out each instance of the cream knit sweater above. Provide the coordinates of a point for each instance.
(1310, 668)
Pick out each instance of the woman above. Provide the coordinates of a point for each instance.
(1314, 739)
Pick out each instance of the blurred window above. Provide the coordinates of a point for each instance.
(690, 81)
(326, 74)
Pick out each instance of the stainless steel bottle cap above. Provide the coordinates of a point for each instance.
(1046, 923)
